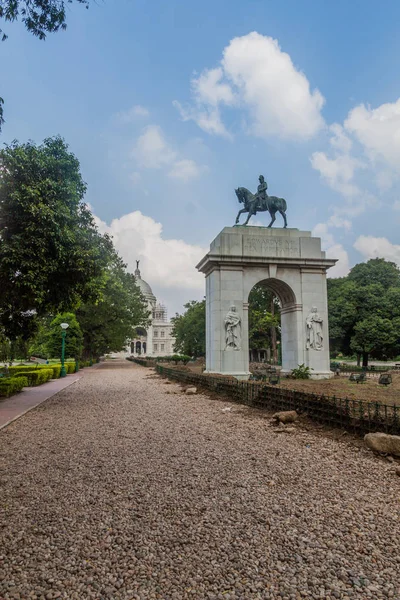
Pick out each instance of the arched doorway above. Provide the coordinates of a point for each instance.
(281, 352)
(292, 265)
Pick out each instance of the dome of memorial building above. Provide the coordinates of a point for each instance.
(144, 287)
(156, 339)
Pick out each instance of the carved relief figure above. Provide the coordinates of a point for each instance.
(315, 336)
(233, 335)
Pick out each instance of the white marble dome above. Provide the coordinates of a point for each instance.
(144, 287)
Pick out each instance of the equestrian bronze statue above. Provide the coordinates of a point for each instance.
(260, 202)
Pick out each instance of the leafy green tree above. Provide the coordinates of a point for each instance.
(51, 252)
(374, 334)
(39, 16)
(370, 294)
(376, 270)
(110, 321)
(190, 329)
(73, 338)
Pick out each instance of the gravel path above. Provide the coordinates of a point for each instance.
(123, 487)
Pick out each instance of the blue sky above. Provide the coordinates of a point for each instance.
(171, 105)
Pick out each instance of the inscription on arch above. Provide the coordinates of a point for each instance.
(271, 246)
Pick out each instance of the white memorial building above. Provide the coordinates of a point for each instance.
(157, 339)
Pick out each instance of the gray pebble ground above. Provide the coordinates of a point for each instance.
(118, 487)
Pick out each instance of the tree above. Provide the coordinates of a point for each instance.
(51, 251)
(361, 307)
(39, 16)
(190, 329)
(73, 338)
(264, 319)
(374, 334)
(110, 321)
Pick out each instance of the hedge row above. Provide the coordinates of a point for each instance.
(11, 386)
(35, 377)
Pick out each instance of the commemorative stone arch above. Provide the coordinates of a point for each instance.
(290, 262)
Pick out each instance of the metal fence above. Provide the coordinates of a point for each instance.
(358, 416)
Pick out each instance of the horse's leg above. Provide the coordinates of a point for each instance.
(284, 217)
(239, 213)
(251, 213)
(272, 213)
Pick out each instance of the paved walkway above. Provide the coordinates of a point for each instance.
(16, 406)
(122, 487)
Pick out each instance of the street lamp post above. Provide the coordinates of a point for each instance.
(64, 327)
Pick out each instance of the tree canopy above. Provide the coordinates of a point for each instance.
(190, 329)
(364, 310)
(51, 251)
(108, 322)
(73, 337)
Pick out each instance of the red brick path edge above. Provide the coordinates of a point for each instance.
(14, 407)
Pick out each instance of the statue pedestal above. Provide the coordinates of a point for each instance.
(288, 261)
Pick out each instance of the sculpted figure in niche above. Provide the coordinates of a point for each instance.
(232, 329)
(315, 336)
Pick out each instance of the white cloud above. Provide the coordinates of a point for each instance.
(132, 114)
(338, 221)
(339, 140)
(185, 170)
(378, 130)
(377, 247)
(152, 151)
(333, 250)
(338, 172)
(168, 264)
(258, 77)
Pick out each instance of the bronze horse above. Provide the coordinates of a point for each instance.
(253, 205)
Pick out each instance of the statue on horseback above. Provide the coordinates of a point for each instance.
(260, 202)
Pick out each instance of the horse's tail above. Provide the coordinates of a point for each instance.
(284, 205)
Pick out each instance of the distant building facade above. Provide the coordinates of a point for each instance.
(157, 339)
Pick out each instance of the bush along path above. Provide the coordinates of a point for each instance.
(123, 487)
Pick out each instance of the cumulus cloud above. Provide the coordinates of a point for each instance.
(378, 130)
(333, 250)
(185, 170)
(256, 76)
(167, 264)
(124, 117)
(338, 172)
(377, 247)
(153, 151)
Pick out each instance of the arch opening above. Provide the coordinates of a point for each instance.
(270, 326)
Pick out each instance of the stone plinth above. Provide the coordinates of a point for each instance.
(288, 261)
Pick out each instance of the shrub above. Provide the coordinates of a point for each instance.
(70, 367)
(11, 386)
(302, 372)
(23, 378)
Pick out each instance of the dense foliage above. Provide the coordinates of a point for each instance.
(53, 259)
(364, 311)
(73, 337)
(50, 249)
(190, 329)
(107, 323)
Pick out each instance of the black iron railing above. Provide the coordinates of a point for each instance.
(358, 416)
